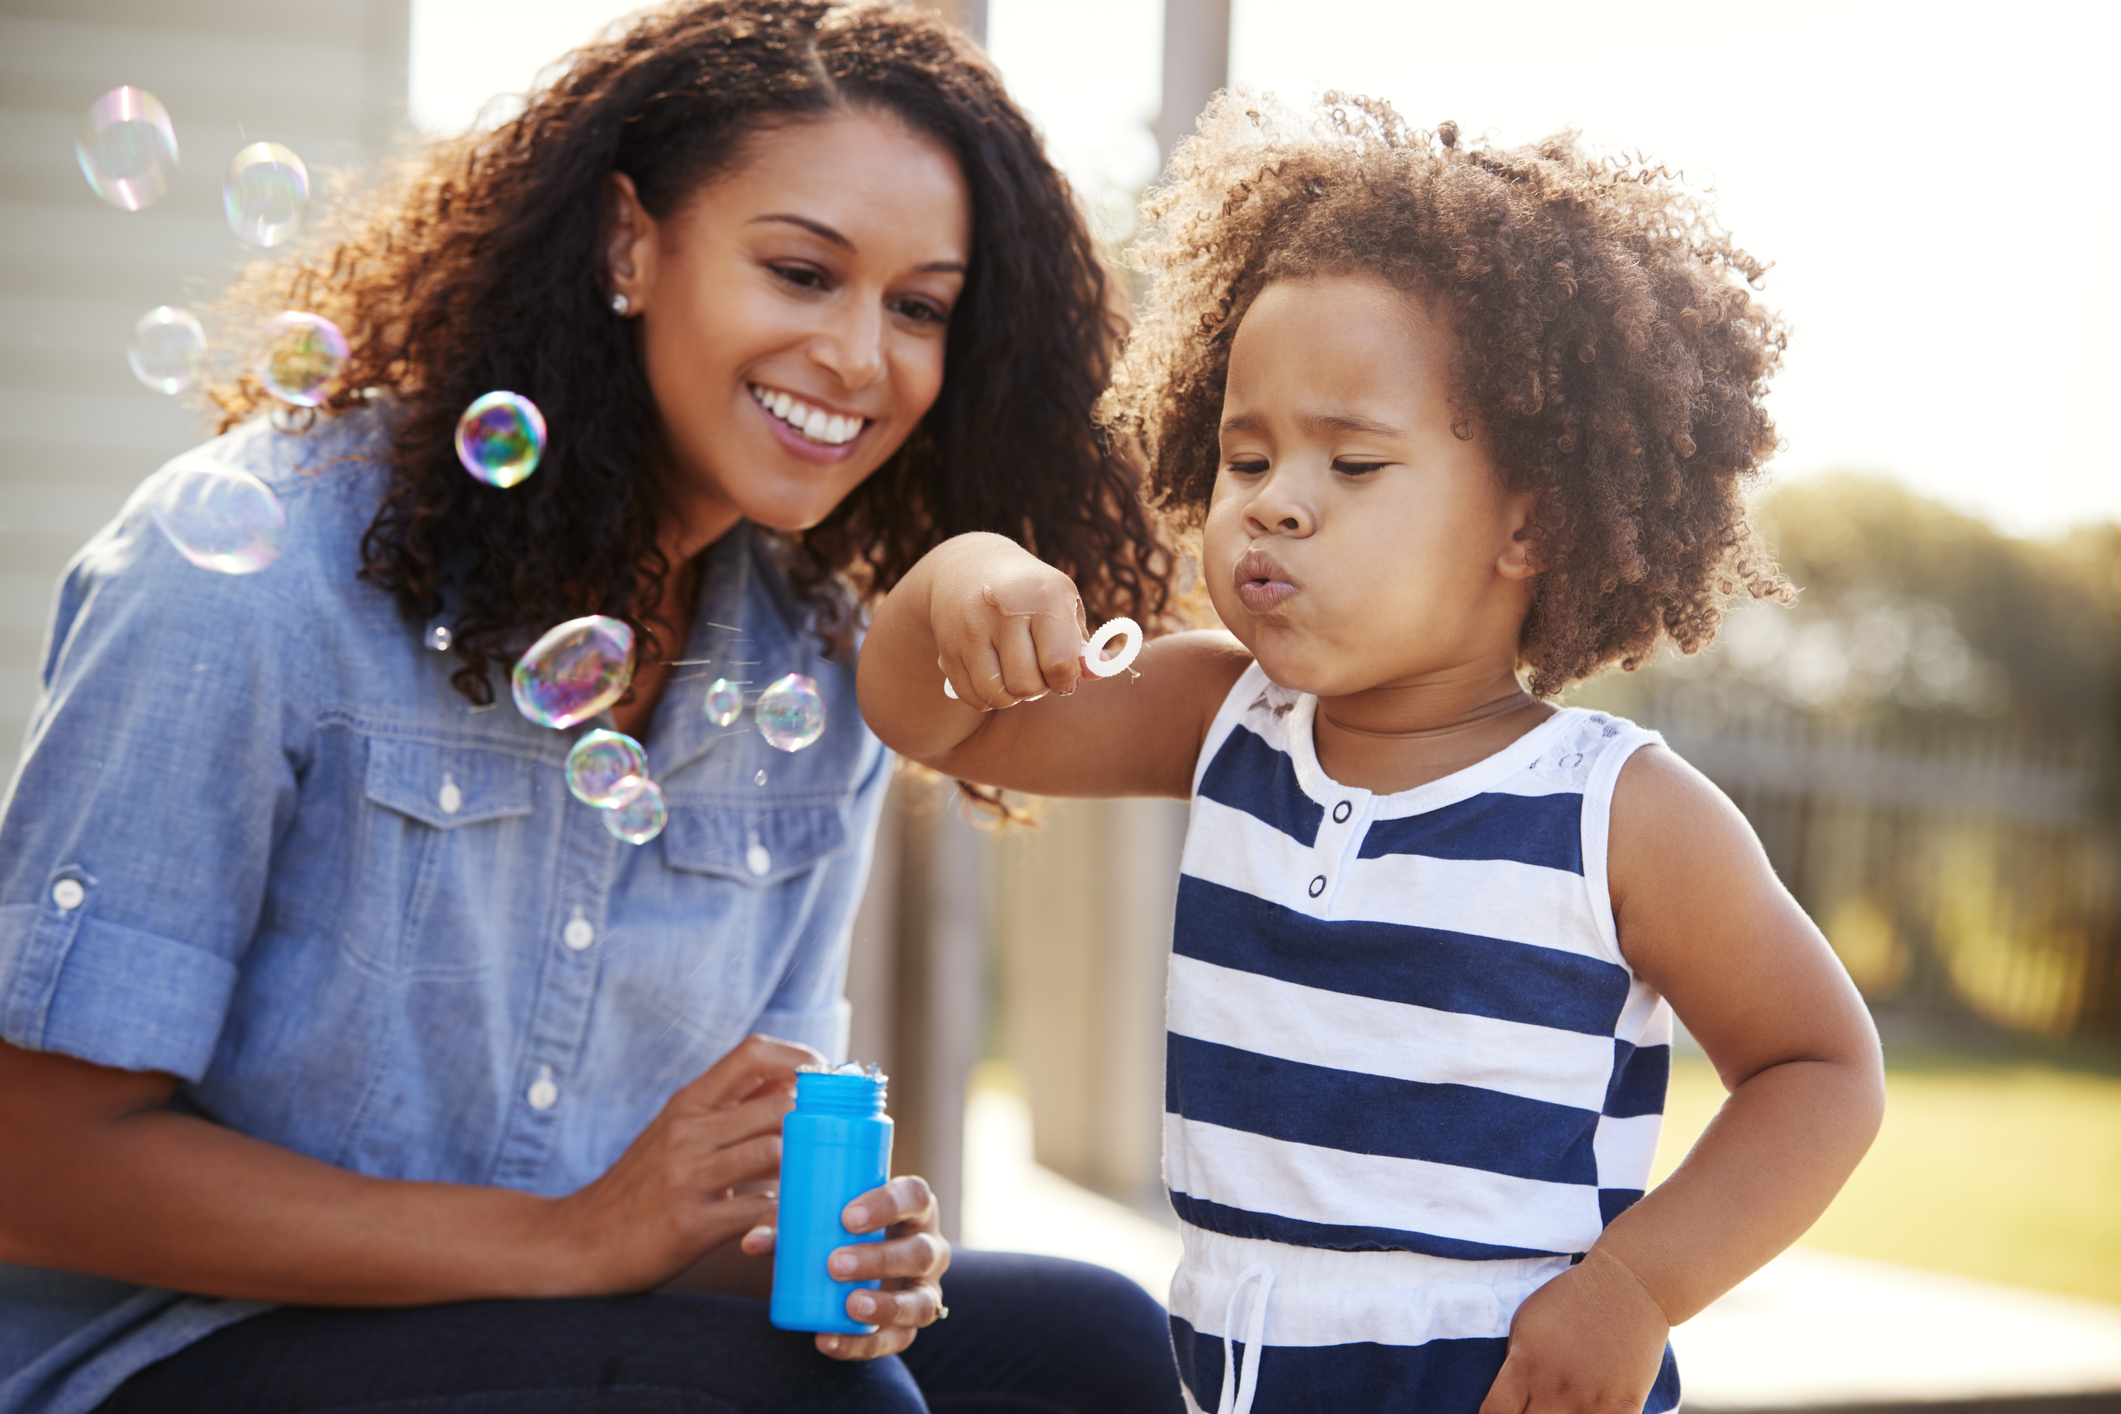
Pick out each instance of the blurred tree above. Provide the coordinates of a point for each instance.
(2040, 619)
(1916, 614)
(1886, 732)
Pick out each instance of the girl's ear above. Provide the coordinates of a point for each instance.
(629, 246)
(1521, 558)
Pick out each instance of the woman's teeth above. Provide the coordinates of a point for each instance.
(814, 423)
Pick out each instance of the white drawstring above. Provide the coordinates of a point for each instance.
(1237, 1399)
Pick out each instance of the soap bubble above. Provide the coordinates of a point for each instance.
(218, 517)
(574, 672)
(166, 348)
(790, 712)
(606, 769)
(127, 148)
(265, 194)
(725, 702)
(500, 438)
(439, 638)
(302, 358)
(641, 818)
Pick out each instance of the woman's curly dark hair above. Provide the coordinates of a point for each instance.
(1613, 357)
(487, 271)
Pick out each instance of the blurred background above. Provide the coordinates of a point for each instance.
(1928, 742)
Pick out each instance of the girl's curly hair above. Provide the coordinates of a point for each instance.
(487, 271)
(1613, 358)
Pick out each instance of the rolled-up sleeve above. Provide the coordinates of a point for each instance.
(137, 835)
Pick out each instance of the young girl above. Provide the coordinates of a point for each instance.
(1459, 427)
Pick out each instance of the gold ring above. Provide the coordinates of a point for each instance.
(942, 1312)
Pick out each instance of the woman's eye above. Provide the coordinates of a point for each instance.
(921, 311)
(1354, 468)
(801, 276)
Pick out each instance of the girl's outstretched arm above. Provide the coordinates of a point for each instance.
(1007, 630)
(1702, 917)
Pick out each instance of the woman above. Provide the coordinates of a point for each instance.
(331, 1027)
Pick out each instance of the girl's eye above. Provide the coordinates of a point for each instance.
(1354, 468)
(1252, 466)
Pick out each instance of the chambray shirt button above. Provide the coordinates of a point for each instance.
(758, 861)
(578, 934)
(544, 1094)
(451, 799)
(67, 895)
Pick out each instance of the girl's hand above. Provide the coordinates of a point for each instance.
(672, 1196)
(1008, 627)
(1590, 1340)
(910, 1262)
(1001, 627)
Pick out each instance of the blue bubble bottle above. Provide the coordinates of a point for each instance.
(835, 1146)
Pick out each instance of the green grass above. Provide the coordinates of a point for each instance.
(2001, 1170)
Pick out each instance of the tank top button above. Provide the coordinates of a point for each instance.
(1341, 812)
(1318, 886)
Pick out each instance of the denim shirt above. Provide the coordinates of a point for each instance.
(259, 842)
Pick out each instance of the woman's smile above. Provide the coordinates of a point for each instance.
(808, 427)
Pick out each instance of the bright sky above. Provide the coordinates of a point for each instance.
(1931, 181)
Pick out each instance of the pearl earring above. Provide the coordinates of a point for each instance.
(620, 305)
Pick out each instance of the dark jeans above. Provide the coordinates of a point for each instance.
(1025, 1333)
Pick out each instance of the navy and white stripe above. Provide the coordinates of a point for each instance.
(1408, 1068)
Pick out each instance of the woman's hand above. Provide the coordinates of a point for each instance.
(1588, 1342)
(910, 1262)
(672, 1196)
(1008, 627)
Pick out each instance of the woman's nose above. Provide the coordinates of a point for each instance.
(851, 347)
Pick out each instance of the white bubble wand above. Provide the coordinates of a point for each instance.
(1094, 659)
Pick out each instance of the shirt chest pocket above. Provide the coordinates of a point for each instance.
(761, 844)
(448, 857)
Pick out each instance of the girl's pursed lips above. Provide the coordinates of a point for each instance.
(1260, 566)
(1262, 583)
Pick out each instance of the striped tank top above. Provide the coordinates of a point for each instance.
(1409, 1076)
